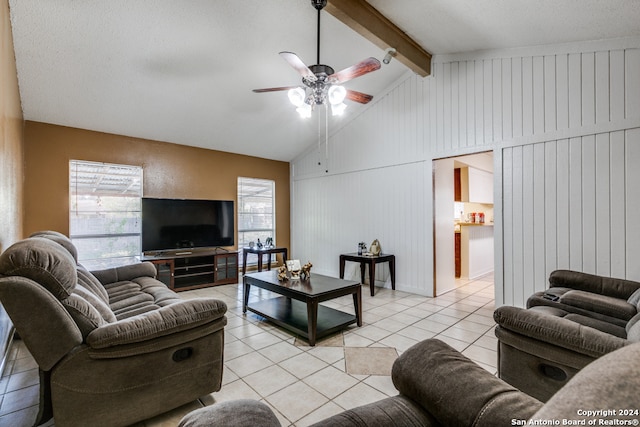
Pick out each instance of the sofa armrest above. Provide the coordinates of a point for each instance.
(609, 286)
(125, 272)
(455, 390)
(558, 331)
(171, 319)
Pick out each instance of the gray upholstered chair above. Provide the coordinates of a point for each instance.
(580, 318)
(113, 348)
(440, 387)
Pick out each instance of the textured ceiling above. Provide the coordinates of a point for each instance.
(182, 71)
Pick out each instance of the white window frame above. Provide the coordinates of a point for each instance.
(106, 234)
(250, 188)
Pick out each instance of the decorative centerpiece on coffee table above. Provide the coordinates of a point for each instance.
(306, 271)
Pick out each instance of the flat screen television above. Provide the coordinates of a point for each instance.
(170, 224)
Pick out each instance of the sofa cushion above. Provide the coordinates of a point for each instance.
(164, 321)
(609, 306)
(89, 282)
(634, 299)
(611, 286)
(600, 325)
(42, 261)
(102, 308)
(633, 333)
(83, 314)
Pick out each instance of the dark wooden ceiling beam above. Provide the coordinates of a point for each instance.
(374, 26)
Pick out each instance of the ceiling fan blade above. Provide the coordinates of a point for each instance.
(299, 66)
(274, 89)
(360, 97)
(357, 70)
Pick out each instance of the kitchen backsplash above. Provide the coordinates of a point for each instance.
(467, 208)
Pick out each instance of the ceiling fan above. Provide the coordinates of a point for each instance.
(321, 84)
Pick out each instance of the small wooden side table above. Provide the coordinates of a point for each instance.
(260, 252)
(371, 261)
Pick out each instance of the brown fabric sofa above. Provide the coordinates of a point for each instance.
(114, 347)
(580, 318)
(440, 387)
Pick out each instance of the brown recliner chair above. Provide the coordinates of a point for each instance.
(580, 318)
(115, 347)
(440, 387)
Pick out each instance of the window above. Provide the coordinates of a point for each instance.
(256, 211)
(104, 214)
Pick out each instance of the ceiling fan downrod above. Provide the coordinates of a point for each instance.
(319, 5)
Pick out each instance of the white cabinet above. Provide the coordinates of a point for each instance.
(476, 250)
(477, 185)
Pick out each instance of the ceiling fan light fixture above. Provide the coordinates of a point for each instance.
(304, 110)
(336, 95)
(338, 109)
(297, 96)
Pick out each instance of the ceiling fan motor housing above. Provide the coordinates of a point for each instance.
(318, 4)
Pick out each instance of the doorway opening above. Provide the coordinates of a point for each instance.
(462, 220)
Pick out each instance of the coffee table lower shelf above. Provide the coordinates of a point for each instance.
(292, 315)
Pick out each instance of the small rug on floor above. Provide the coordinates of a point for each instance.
(369, 360)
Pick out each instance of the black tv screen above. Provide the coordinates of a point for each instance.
(169, 224)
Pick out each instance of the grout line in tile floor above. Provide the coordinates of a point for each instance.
(304, 384)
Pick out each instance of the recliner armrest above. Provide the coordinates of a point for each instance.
(455, 390)
(557, 331)
(125, 272)
(609, 286)
(168, 320)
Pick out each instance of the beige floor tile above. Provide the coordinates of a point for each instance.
(20, 418)
(399, 342)
(261, 340)
(280, 351)
(330, 381)
(382, 383)
(297, 401)
(248, 364)
(457, 344)
(269, 380)
(303, 365)
(431, 325)
(461, 334)
(372, 332)
(355, 340)
(232, 391)
(360, 394)
(416, 333)
(327, 354)
(235, 349)
(482, 355)
(19, 399)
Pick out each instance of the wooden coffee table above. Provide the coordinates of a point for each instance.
(299, 309)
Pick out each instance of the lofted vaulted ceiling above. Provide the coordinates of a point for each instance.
(183, 71)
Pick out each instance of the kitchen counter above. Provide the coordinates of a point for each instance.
(476, 244)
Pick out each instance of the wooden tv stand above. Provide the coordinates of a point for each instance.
(182, 270)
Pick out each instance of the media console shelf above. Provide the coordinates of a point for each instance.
(182, 270)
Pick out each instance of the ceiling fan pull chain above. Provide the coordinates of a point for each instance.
(326, 136)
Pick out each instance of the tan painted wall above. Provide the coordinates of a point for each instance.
(11, 137)
(170, 170)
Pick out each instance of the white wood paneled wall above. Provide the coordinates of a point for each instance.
(562, 122)
(580, 213)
